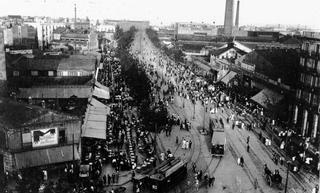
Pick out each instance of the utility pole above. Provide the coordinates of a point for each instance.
(288, 168)
(204, 117)
(75, 21)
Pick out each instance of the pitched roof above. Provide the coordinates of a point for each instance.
(275, 63)
(240, 48)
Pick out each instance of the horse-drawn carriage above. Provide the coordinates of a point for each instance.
(273, 179)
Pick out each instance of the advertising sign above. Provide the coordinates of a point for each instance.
(44, 137)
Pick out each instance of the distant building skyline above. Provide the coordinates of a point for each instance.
(253, 12)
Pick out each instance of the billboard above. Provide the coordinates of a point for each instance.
(44, 137)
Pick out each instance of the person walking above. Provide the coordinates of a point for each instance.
(248, 139)
(248, 148)
(212, 181)
(190, 144)
(194, 167)
(109, 180)
(241, 161)
(113, 178)
(104, 179)
(197, 185)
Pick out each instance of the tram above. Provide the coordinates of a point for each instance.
(167, 175)
(218, 142)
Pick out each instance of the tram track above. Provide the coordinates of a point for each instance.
(298, 178)
(236, 154)
(196, 151)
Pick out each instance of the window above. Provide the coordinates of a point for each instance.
(302, 77)
(305, 95)
(309, 97)
(16, 73)
(302, 61)
(308, 80)
(50, 73)
(316, 100)
(318, 66)
(310, 63)
(34, 73)
(298, 94)
(62, 136)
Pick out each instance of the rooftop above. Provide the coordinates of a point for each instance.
(73, 62)
(16, 115)
(275, 63)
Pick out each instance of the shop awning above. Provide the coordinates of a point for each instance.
(47, 156)
(99, 85)
(94, 125)
(101, 93)
(226, 79)
(94, 102)
(267, 98)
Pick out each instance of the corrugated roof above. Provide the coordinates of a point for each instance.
(267, 98)
(226, 79)
(15, 115)
(55, 92)
(74, 62)
(46, 156)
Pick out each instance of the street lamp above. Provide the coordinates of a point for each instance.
(288, 169)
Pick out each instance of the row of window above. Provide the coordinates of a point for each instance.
(310, 80)
(309, 97)
(311, 47)
(52, 73)
(71, 39)
(310, 63)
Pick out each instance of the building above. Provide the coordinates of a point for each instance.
(45, 30)
(35, 137)
(127, 24)
(106, 28)
(79, 39)
(20, 36)
(50, 70)
(228, 18)
(59, 66)
(197, 29)
(3, 68)
(231, 51)
(306, 109)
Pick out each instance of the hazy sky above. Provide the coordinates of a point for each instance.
(302, 12)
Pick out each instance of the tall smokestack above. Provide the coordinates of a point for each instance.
(228, 18)
(237, 15)
(75, 15)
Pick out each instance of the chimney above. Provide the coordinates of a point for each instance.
(237, 15)
(75, 15)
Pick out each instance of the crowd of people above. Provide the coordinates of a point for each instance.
(182, 81)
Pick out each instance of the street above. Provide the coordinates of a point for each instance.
(230, 177)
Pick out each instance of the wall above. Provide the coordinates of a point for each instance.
(3, 73)
(15, 141)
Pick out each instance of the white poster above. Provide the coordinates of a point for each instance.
(44, 137)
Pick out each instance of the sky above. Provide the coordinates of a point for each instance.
(252, 12)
